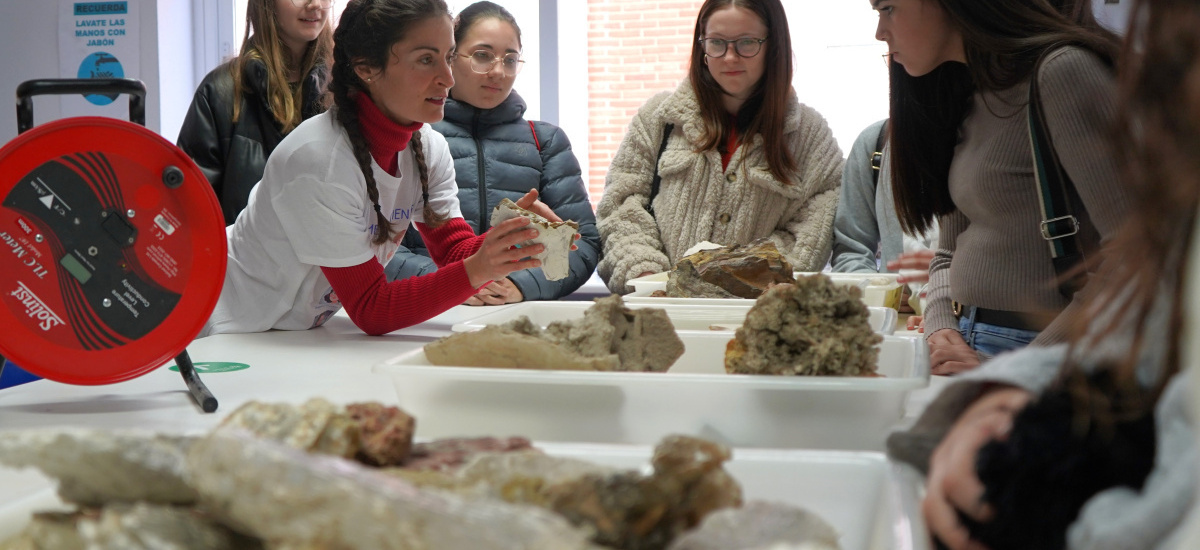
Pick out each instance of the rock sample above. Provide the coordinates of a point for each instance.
(95, 467)
(609, 337)
(631, 511)
(760, 525)
(557, 237)
(370, 433)
(813, 327)
(739, 271)
(292, 499)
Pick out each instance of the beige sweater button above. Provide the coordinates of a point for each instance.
(730, 177)
(724, 217)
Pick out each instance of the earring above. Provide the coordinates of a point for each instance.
(369, 78)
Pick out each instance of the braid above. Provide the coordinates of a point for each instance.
(344, 87)
(364, 36)
(432, 218)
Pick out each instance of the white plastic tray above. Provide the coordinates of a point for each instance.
(723, 316)
(695, 396)
(879, 289)
(872, 503)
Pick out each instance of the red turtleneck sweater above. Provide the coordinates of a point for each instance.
(375, 305)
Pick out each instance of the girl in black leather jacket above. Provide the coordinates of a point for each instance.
(244, 107)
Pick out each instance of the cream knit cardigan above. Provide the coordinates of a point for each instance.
(697, 201)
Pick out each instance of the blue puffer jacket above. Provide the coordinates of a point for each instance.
(497, 148)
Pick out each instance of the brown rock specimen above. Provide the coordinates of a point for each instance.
(739, 271)
(634, 512)
(813, 327)
(385, 433)
(609, 337)
(371, 433)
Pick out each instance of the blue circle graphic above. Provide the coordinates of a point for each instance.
(101, 65)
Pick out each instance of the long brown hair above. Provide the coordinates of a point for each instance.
(770, 97)
(364, 37)
(1002, 40)
(1158, 133)
(262, 42)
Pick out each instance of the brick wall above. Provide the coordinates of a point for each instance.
(635, 49)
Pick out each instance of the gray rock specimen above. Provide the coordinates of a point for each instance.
(760, 525)
(138, 526)
(292, 499)
(813, 327)
(556, 236)
(608, 337)
(96, 467)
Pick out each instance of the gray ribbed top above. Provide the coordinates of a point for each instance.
(991, 253)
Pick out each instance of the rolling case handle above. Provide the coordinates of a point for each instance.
(87, 86)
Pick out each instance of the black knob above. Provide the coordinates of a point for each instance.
(172, 177)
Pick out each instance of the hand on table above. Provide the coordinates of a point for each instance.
(953, 485)
(495, 293)
(949, 353)
(531, 203)
(917, 323)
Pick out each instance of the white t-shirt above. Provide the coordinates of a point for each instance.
(311, 210)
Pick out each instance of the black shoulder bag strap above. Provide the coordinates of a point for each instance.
(657, 181)
(1059, 225)
(877, 155)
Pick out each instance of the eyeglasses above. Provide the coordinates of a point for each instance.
(483, 61)
(745, 47)
(323, 4)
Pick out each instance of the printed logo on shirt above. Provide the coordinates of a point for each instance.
(320, 319)
(329, 298)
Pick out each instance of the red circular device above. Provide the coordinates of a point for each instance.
(112, 250)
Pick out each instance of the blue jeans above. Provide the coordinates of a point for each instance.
(992, 340)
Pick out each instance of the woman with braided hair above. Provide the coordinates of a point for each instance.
(341, 190)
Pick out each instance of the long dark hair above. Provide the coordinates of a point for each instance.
(365, 35)
(482, 10)
(262, 42)
(1002, 40)
(771, 96)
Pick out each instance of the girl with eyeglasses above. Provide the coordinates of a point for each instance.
(244, 107)
(744, 159)
(342, 189)
(961, 151)
(499, 154)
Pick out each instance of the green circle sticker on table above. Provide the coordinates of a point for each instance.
(209, 368)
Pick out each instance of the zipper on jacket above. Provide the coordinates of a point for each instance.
(481, 187)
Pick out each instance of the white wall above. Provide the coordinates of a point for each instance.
(29, 40)
(1114, 16)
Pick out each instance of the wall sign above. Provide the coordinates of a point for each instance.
(98, 39)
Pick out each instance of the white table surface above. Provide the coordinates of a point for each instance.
(334, 362)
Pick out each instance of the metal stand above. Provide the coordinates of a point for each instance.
(196, 387)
